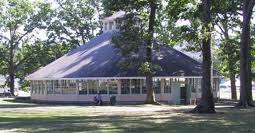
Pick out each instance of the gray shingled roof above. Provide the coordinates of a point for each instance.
(99, 58)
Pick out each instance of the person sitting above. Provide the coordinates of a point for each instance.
(113, 100)
(98, 99)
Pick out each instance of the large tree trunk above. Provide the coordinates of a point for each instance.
(206, 104)
(231, 65)
(150, 99)
(233, 85)
(249, 83)
(11, 71)
(245, 72)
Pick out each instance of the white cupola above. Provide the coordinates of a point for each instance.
(109, 23)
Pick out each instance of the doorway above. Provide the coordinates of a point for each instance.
(183, 97)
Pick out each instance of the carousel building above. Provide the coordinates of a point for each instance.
(94, 68)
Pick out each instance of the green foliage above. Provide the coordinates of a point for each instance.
(182, 24)
(23, 23)
(25, 86)
(72, 22)
(225, 16)
(229, 57)
(134, 35)
(18, 20)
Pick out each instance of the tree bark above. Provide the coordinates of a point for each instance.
(233, 85)
(11, 70)
(206, 104)
(150, 99)
(249, 82)
(231, 60)
(245, 65)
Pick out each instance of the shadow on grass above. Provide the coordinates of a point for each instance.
(229, 121)
(13, 103)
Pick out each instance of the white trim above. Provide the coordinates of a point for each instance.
(102, 78)
(86, 78)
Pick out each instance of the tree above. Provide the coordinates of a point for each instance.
(18, 20)
(72, 22)
(37, 55)
(206, 104)
(141, 15)
(225, 14)
(245, 55)
(228, 54)
(195, 31)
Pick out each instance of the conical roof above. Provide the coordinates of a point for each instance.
(99, 58)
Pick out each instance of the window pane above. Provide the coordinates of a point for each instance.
(103, 86)
(199, 84)
(156, 85)
(125, 86)
(69, 86)
(167, 86)
(110, 25)
(49, 86)
(33, 87)
(135, 86)
(43, 87)
(36, 87)
(144, 89)
(105, 26)
(92, 85)
(113, 87)
(57, 87)
(83, 86)
(39, 87)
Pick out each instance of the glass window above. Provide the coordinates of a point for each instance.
(113, 87)
(103, 86)
(38, 87)
(32, 84)
(156, 85)
(198, 84)
(35, 85)
(57, 87)
(105, 26)
(135, 86)
(69, 86)
(49, 86)
(167, 85)
(110, 25)
(144, 89)
(125, 84)
(92, 86)
(193, 88)
(117, 23)
(83, 87)
(43, 90)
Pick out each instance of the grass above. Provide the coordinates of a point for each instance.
(25, 117)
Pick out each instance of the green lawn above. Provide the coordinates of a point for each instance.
(24, 117)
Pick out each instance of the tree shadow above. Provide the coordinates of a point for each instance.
(166, 121)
